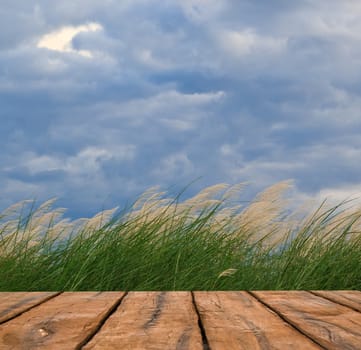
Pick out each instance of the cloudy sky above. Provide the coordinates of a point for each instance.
(101, 99)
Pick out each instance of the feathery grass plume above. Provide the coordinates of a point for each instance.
(63, 228)
(346, 216)
(45, 206)
(234, 192)
(30, 230)
(204, 199)
(224, 216)
(40, 215)
(99, 220)
(323, 231)
(11, 221)
(332, 225)
(149, 205)
(163, 244)
(38, 226)
(206, 193)
(42, 224)
(148, 195)
(151, 209)
(307, 211)
(9, 227)
(158, 211)
(262, 217)
(14, 209)
(200, 201)
(228, 272)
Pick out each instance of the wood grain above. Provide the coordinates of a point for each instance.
(15, 303)
(236, 320)
(151, 320)
(61, 323)
(332, 325)
(169, 320)
(348, 298)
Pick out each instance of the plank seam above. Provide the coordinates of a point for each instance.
(334, 301)
(40, 302)
(285, 319)
(101, 323)
(200, 325)
(160, 298)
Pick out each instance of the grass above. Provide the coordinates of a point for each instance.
(204, 243)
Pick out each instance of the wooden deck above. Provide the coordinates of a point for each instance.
(181, 320)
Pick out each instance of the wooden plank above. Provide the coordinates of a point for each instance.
(151, 320)
(236, 320)
(63, 322)
(15, 303)
(332, 325)
(348, 298)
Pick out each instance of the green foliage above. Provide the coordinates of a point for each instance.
(196, 245)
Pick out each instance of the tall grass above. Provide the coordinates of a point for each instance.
(208, 242)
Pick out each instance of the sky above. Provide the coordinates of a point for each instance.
(102, 99)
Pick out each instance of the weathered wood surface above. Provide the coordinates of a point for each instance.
(344, 297)
(236, 320)
(330, 324)
(181, 320)
(13, 304)
(63, 322)
(148, 320)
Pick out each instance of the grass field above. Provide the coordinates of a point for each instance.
(208, 242)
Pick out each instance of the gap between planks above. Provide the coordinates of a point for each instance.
(199, 322)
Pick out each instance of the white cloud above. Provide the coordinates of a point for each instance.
(331, 196)
(226, 150)
(179, 124)
(20, 189)
(247, 41)
(265, 172)
(36, 164)
(61, 39)
(178, 99)
(167, 103)
(202, 10)
(177, 164)
(87, 160)
(338, 194)
(147, 58)
(290, 75)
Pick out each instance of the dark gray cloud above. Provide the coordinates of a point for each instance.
(143, 93)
